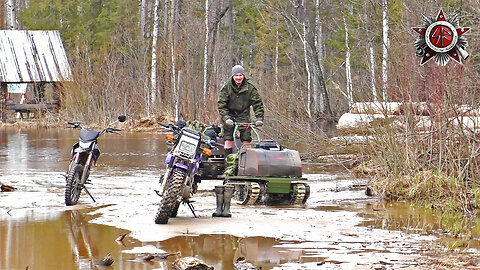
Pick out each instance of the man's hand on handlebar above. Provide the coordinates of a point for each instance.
(229, 122)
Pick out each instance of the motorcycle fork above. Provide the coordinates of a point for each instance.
(86, 169)
(88, 164)
(85, 174)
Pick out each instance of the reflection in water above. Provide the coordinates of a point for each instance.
(65, 240)
(410, 218)
(221, 251)
(43, 149)
(61, 241)
(17, 151)
(79, 239)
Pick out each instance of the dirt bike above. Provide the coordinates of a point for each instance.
(84, 154)
(186, 149)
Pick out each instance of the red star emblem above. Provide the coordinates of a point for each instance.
(441, 36)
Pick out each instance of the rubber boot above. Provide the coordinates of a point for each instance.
(219, 195)
(227, 198)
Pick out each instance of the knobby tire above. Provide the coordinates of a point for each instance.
(170, 198)
(73, 188)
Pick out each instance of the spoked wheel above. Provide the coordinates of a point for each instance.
(299, 194)
(246, 193)
(74, 186)
(170, 197)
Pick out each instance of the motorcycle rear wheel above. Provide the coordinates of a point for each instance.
(74, 187)
(170, 198)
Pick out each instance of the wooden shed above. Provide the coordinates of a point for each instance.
(33, 59)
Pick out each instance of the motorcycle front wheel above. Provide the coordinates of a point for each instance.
(74, 187)
(170, 198)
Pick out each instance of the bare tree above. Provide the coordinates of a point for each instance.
(323, 114)
(153, 77)
(386, 46)
(205, 51)
(172, 56)
(211, 29)
(348, 71)
(372, 72)
(11, 15)
(306, 57)
(2, 15)
(143, 13)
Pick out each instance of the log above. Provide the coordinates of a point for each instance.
(7, 188)
(31, 107)
(191, 263)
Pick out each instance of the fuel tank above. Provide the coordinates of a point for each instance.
(269, 159)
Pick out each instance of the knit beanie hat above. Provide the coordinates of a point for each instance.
(237, 69)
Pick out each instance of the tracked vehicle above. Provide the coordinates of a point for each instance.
(263, 173)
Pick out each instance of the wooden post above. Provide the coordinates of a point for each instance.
(3, 101)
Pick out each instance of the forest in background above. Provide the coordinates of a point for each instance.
(310, 59)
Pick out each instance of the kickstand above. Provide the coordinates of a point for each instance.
(190, 205)
(86, 190)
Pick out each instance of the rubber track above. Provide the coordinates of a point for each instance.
(253, 191)
(298, 195)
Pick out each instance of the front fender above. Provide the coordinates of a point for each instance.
(180, 165)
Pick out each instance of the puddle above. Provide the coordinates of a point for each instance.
(408, 218)
(61, 240)
(66, 240)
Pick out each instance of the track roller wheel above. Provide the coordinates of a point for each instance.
(247, 193)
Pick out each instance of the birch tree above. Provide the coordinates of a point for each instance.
(386, 46)
(323, 112)
(306, 57)
(370, 52)
(348, 71)
(372, 72)
(231, 33)
(205, 52)
(172, 57)
(11, 15)
(143, 13)
(153, 77)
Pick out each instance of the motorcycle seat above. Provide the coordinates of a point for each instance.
(88, 135)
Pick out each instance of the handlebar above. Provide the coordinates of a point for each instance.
(171, 127)
(212, 143)
(108, 129)
(75, 124)
(111, 130)
(253, 126)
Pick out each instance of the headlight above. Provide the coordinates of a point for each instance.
(187, 148)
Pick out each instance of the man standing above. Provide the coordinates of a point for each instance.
(234, 103)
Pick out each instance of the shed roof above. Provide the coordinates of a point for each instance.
(32, 56)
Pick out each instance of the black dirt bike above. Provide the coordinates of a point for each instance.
(84, 154)
(183, 160)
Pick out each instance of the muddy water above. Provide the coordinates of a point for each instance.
(38, 231)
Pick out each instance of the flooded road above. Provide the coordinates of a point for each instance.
(339, 228)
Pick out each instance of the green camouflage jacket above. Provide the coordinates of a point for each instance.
(234, 102)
